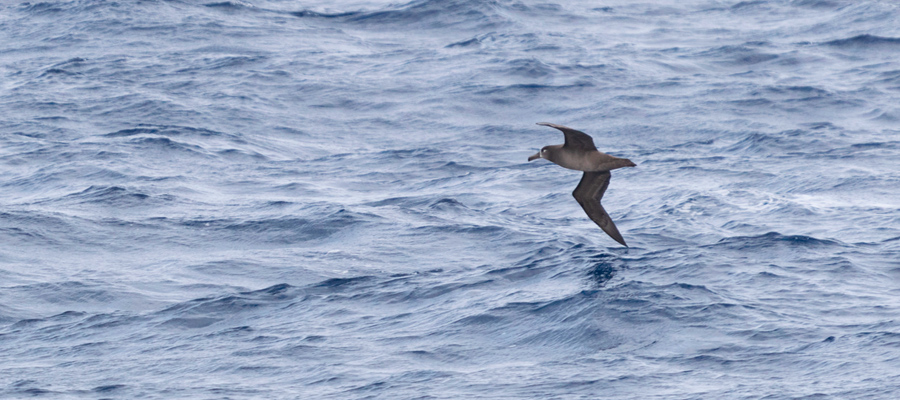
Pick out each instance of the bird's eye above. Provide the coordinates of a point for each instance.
(543, 150)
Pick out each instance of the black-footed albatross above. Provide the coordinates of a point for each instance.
(580, 154)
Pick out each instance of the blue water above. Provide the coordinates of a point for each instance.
(276, 199)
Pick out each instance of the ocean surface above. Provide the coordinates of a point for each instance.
(271, 199)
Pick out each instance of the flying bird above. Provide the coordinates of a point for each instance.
(580, 154)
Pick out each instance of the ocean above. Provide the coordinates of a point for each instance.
(273, 199)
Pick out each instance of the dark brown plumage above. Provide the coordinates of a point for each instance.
(579, 153)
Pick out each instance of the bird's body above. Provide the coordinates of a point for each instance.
(592, 161)
(580, 154)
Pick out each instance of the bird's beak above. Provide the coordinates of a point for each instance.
(535, 157)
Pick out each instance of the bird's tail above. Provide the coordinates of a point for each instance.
(623, 162)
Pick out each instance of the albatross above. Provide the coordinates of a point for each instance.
(580, 154)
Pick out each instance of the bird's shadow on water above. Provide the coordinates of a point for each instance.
(602, 268)
(601, 273)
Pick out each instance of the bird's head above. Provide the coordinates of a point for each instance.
(545, 153)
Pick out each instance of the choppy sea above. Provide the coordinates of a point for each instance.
(272, 199)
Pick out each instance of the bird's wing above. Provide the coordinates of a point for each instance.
(588, 193)
(574, 138)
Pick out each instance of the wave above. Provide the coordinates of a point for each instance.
(41, 8)
(428, 14)
(749, 53)
(784, 143)
(573, 324)
(33, 228)
(166, 130)
(207, 309)
(316, 224)
(239, 63)
(169, 146)
(200, 142)
(774, 239)
(864, 42)
(130, 107)
(109, 195)
(230, 5)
